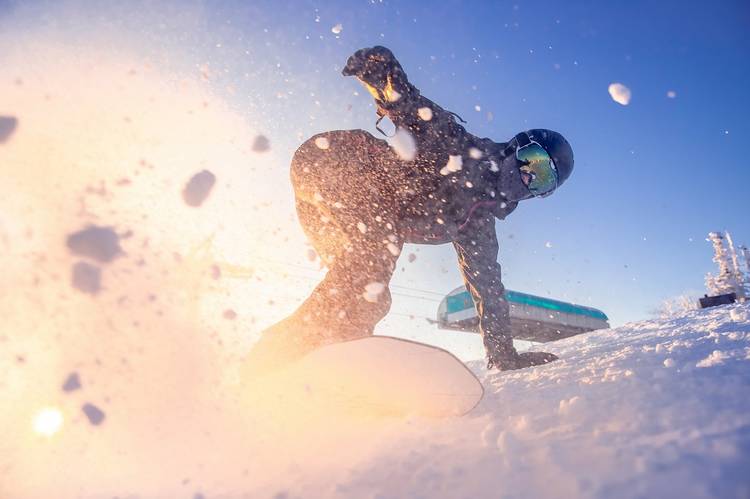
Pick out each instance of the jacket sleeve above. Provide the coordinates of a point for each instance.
(432, 127)
(435, 130)
(477, 250)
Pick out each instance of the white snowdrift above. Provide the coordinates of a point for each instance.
(652, 409)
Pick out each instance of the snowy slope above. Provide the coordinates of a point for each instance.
(652, 409)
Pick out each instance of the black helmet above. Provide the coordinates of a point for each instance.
(557, 147)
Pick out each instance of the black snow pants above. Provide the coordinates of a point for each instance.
(346, 186)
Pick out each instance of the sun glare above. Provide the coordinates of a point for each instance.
(48, 421)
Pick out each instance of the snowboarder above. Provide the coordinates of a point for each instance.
(359, 201)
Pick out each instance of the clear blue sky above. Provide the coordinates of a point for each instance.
(651, 180)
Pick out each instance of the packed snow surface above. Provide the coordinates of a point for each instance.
(652, 409)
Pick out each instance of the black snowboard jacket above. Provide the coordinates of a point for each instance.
(453, 193)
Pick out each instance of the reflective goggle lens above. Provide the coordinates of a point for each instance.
(541, 168)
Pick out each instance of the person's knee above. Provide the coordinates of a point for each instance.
(328, 147)
(304, 161)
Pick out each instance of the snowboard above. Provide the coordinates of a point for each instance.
(376, 376)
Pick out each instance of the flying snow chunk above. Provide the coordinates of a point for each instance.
(404, 145)
(322, 143)
(361, 227)
(261, 144)
(475, 153)
(98, 243)
(336, 30)
(198, 188)
(72, 382)
(477, 108)
(8, 125)
(671, 94)
(87, 278)
(425, 113)
(455, 163)
(548, 244)
(373, 291)
(619, 93)
(93, 413)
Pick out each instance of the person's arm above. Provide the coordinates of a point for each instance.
(433, 128)
(477, 251)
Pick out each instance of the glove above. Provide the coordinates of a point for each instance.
(379, 70)
(520, 361)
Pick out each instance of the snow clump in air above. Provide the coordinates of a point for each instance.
(93, 413)
(98, 243)
(475, 153)
(72, 382)
(261, 144)
(455, 163)
(198, 188)
(620, 93)
(7, 127)
(404, 145)
(322, 143)
(336, 30)
(425, 113)
(87, 278)
(671, 94)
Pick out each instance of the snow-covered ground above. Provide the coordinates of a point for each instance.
(656, 408)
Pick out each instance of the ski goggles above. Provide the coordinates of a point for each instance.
(537, 164)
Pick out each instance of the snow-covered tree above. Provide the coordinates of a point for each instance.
(730, 278)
